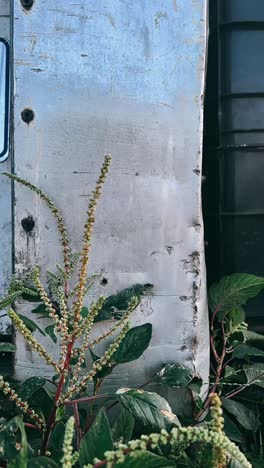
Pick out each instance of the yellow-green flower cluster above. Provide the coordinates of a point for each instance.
(64, 322)
(87, 238)
(86, 328)
(81, 384)
(216, 413)
(132, 305)
(13, 396)
(44, 297)
(182, 435)
(217, 424)
(19, 324)
(11, 298)
(55, 212)
(67, 459)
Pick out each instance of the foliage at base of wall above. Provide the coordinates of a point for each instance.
(66, 420)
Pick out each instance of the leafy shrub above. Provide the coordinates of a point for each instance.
(63, 421)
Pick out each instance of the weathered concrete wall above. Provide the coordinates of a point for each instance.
(124, 78)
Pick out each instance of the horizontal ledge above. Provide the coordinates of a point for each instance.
(254, 25)
(233, 213)
(242, 130)
(227, 148)
(241, 95)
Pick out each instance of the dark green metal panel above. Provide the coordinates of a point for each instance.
(234, 143)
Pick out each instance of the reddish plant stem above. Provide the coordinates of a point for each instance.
(217, 358)
(218, 308)
(236, 392)
(32, 426)
(219, 370)
(84, 399)
(56, 399)
(227, 362)
(145, 384)
(77, 425)
(213, 369)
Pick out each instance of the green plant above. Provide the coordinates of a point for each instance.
(237, 360)
(71, 323)
(34, 431)
(101, 446)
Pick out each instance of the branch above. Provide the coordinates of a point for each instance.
(84, 399)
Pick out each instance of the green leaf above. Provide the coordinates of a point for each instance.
(134, 344)
(42, 462)
(123, 428)
(20, 461)
(244, 415)
(235, 316)
(196, 385)
(9, 298)
(233, 291)
(56, 440)
(42, 402)
(106, 369)
(30, 386)
(84, 312)
(232, 431)
(41, 309)
(243, 351)
(132, 347)
(8, 444)
(150, 409)
(233, 375)
(96, 441)
(34, 297)
(50, 330)
(256, 460)
(251, 336)
(32, 326)
(254, 374)
(145, 460)
(229, 371)
(120, 301)
(7, 348)
(175, 375)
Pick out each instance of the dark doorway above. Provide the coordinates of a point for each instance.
(233, 191)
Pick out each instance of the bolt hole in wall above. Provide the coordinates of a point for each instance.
(28, 224)
(233, 162)
(27, 4)
(104, 281)
(27, 115)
